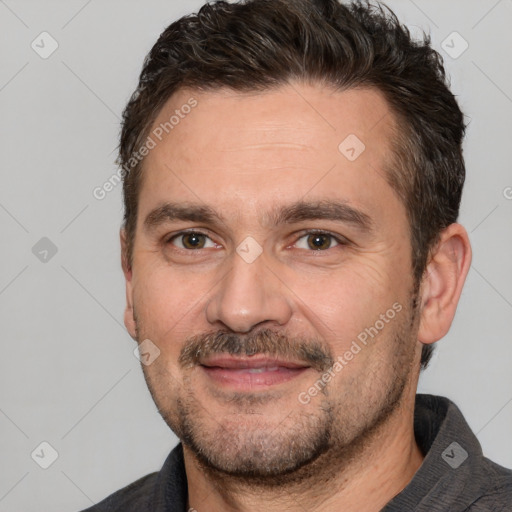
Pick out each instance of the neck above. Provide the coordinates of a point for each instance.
(363, 480)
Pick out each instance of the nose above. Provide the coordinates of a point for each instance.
(250, 294)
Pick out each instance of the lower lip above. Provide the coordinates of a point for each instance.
(243, 379)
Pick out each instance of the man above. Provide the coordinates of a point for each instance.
(293, 173)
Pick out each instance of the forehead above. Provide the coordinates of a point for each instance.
(299, 113)
(238, 150)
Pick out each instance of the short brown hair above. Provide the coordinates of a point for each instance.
(256, 45)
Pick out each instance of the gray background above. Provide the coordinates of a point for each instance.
(68, 373)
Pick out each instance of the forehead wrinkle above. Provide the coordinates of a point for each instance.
(270, 145)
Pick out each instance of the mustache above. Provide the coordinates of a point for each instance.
(265, 341)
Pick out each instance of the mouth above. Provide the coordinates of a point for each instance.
(251, 372)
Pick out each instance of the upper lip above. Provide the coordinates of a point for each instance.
(256, 361)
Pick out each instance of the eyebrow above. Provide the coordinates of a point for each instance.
(338, 211)
(169, 212)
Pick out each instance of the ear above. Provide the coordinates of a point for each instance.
(442, 283)
(129, 318)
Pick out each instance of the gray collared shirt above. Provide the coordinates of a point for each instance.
(454, 476)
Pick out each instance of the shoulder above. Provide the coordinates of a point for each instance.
(498, 497)
(154, 492)
(133, 497)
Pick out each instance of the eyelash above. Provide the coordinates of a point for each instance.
(341, 241)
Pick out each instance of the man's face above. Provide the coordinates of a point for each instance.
(298, 247)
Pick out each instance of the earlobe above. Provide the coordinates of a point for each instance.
(129, 317)
(442, 283)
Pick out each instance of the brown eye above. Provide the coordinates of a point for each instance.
(319, 242)
(191, 240)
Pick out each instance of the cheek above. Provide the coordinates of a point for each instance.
(340, 305)
(166, 301)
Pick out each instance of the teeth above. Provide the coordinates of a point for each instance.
(261, 370)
